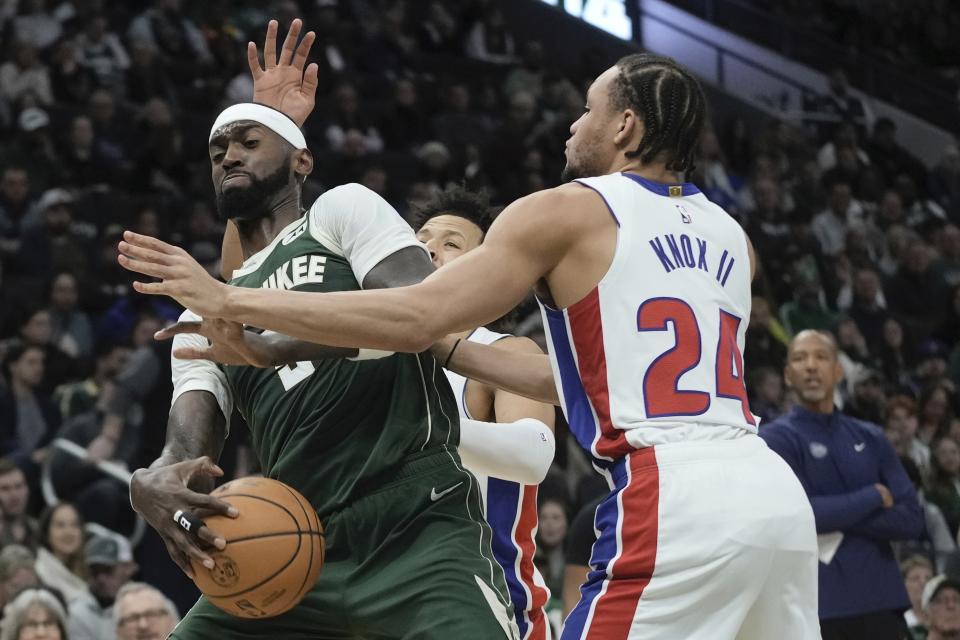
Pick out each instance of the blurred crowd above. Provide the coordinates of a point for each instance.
(104, 112)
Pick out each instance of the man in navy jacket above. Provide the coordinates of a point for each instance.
(856, 486)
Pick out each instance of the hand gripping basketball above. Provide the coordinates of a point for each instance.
(160, 492)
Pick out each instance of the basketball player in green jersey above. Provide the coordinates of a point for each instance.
(368, 437)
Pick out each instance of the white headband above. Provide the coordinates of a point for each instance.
(272, 119)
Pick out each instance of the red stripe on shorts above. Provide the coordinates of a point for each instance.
(632, 570)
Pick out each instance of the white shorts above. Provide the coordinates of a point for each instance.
(708, 540)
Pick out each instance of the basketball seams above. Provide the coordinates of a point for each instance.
(293, 557)
(300, 500)
(296, 523)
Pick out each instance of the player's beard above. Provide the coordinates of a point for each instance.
(584, 166)
(252, 201)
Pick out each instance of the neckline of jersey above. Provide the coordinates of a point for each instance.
(661, 188)
(253, 262)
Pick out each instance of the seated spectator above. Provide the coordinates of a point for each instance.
(867, 396)
(550, 537)
(35, 614)
(25, 75)
(15, 202)
(948, 264)
(404, 123)
(921, 214)
(489, 39)
(72, 82)
(944, 486)
(865, 302)
(579, 547)
(349, 129)
(931, 364)
(60, 556)
(767, 339)
(767, 396)
(917, 572)
(17, 572)
(890, 210)
(937, 540)
(916, 292)
(896, 355)
(71, 327)
(888, 156)
(55, 241)
(76, 398)
(808, 309)
(18, 527)
(830, 225)
(36, 330)
(175, 37)
(83, 160)
(28, 418)
(839, 106)
(37, 25)
(437, 31)
(102, 51)
(143, 613)
(529, 76)
(856, 486)
(900, 427)
(935, 411)
(941, 603)
(110, 565)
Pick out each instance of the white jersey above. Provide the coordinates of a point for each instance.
(511, 511)
(653, 354)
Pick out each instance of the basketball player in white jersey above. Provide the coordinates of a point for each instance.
(645, 289)
(505, 439)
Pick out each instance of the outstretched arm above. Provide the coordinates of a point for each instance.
(524, 373)
(523, 246)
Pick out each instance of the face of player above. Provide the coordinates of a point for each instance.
(945, 612)
(251, 169)
(65, 535)
(813, 371)
(39, 624)
(448, 237)
(13, 494)
(143, 615)
(591, 149)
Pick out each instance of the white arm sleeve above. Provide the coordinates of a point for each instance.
(361, 226)
(199, 375)
(520, 451)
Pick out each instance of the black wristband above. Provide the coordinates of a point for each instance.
(450, 355)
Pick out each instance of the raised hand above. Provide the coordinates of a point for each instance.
(182, 277)
(283, 84)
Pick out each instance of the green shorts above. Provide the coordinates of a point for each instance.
(412, 560)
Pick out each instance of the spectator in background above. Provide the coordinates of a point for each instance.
(350, 130)
(944, 485)
(18, 527)
(830, 225)
(35, 614)
(916, 293)
(888, 156)
(921, 214)
(437, 32)
(76, 398)
(37, 330)
(935, 412)
(948, 264)
(941, 603)
(917, 572)
(937, 540)
(767, 397)
(15, 202)
(529, 76)
(865, 303)
(33, 148)
(896, 356)
(25, 75)
(71, 327)
(143, 613)
(900, 427)
(174, 37)
(72, 82)
(56, 242)
(28, 419)
(867, 397)
(766, 339)
(60, 556)
(579, 547)
(110, 565)
(84, 163)
(17, 572)
(102, 51)
(37, 25)
(489, 39)
(856, 486)
(404, 123)
(839, 105)
(550, 536)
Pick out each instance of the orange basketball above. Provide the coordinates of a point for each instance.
(274, 550)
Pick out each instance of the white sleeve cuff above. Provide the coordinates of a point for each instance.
(520, 451)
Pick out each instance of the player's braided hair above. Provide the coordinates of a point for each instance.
(671, 104)
(458, 201)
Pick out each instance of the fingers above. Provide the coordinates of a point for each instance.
(150, 288)
(290, 42)
(183, 326)
(270, 45)
(188, 546)
(303, 50)
(211, 505)
(311, 80)
(148, 242)
(141, 266)
(253, 61)
(212, 538)
(179, 557)
(134, 251)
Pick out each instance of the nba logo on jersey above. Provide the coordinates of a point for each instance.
(684, 214)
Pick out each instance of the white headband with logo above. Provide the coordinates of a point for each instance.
(272, 119)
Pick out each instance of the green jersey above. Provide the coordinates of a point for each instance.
(335, 429)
